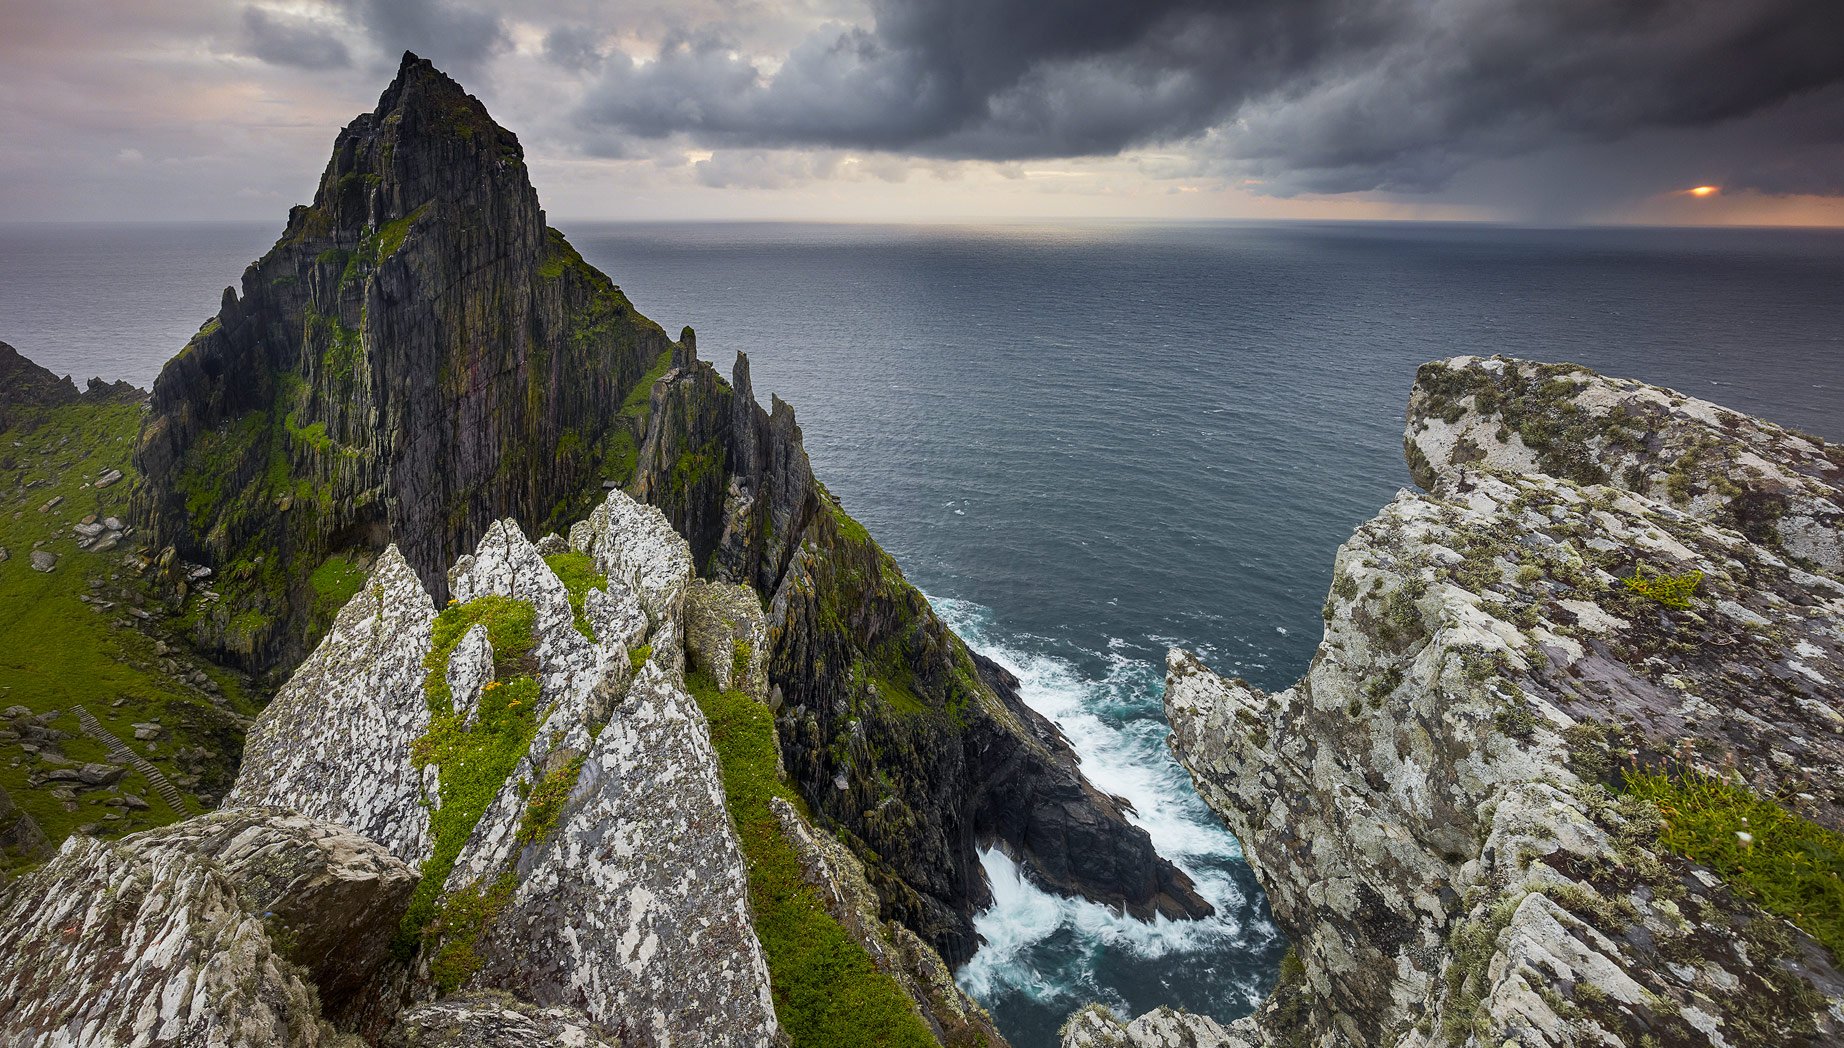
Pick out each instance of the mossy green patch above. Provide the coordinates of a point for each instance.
(62, 651)
(577, 572)
(546, 801)
(472, 760)
(335, 581)
(827, 991)
(1792, 867)
(1673, 591)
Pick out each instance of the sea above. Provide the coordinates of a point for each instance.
(1091, 442)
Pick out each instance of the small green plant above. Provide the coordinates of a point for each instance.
(472, 760)
(1792, 867)
(1673, 591)
(546, 802)
(578, 574)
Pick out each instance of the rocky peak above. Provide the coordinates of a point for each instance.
(417, 357)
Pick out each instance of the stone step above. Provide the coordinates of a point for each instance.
(121, 752)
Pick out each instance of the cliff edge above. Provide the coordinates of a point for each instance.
(1565, 768)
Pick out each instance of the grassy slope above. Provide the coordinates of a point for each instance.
(56, 652)
(827, 992)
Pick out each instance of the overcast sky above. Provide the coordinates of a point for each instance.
(918, 110)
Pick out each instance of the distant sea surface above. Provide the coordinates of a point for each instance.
(1089, 443)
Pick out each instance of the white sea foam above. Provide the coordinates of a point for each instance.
(1113, 725)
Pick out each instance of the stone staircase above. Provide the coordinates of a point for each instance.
(125, 755)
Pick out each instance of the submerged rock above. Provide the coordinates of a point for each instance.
(1437, 810)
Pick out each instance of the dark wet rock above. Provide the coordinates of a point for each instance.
(890, 726)
(25, 383)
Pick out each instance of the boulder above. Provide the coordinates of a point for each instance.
(173, 937)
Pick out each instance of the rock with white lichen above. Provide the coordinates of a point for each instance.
(556, 786)
(1779, 487)
(490, 1019)
(1450, 812)
(213, 932)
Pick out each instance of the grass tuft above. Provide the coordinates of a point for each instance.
(1792, 867)
(827, 992)
(578, 574)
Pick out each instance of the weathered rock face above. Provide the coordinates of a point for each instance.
(898, 952)
(360, 696)
(1437, 810)
(915, 749)
(21, 840)
(210, 933)
(1778, 487)
(551, 775)
(489, 1019)
(24, 382)
(417, 357)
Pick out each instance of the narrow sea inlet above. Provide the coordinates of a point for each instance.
(1088, 443)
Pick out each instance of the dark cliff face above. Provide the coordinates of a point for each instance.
(417, 356)
(913, 749)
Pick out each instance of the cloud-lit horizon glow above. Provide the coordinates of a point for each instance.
(960, 110)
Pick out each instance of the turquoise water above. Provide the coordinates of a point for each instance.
(1089, 443)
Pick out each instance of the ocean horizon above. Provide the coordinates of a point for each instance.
(1089, 442)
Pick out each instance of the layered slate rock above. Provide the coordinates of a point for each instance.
(913, 748)
(333, 744)
(418, 356)
(1779, 487)
(602, 875)
(1437, 810)
(210, 933)
(490, 1019)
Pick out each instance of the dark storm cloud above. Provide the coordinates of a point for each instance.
(1313, 95)
(284, 42)
(573, 47)
(455, 36)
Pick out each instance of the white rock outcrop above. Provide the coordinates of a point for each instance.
(1436, 809)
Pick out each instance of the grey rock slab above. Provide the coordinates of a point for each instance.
(334, 743)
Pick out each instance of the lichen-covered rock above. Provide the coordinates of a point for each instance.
(330, 897)
(489, 1019)
(601, 873)
(334, 742)
(831, 867)
(1097, 1027)
(189, 935)
(1772, 484)
(1436, 808)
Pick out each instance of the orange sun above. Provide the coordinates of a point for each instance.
(1704, 191)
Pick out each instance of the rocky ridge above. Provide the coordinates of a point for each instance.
(498, 822)
(420, 357)
(913, 748)
(1447, 810)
